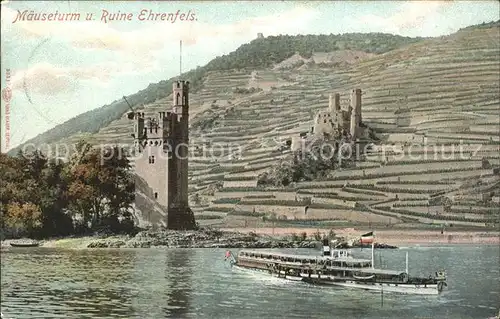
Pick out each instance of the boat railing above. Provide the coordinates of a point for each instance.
(319, 264)
(341, 253)
(301, 259)
(275, 260)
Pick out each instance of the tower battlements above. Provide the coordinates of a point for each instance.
(152, 128)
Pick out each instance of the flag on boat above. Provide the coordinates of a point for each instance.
(367, 238)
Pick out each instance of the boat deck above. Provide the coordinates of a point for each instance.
(302, 258)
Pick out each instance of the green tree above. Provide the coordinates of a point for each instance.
(40, 198)
(117, 183)
(54, 200)
(23, 219)
(101, 188)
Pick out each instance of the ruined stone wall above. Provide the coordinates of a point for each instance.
(327, 122)
(298, 143)
(335, 120)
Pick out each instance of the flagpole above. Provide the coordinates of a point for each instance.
(406, 262)
(373, 258)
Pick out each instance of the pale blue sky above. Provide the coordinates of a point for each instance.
(68, 68)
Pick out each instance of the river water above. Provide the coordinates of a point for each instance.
(198, 283)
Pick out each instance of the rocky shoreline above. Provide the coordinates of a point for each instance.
(204, 238)
(207, 238)
(199, 239)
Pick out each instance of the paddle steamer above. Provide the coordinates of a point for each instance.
(339, 268)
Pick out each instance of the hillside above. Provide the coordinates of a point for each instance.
(437, 99)
(260, 53)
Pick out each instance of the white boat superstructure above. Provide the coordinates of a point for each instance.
(337, 267)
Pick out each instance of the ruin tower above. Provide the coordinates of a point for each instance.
(355, 113)
(334, 103)
(330, 103)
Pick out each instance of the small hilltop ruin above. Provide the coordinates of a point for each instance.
(335, 122)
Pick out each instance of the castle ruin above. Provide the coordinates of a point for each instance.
(161, 160)
(335, 121)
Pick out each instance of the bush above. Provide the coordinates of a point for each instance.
(303, 236)
(248, 213)
(303, 166)
(246, 91)
(274, 202)
(332, 235)
(205, 217)
(317, 236)
(226, 201)
(219, 209)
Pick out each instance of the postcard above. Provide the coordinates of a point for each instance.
(250, 159)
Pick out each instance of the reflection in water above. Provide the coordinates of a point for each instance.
(163, 281)
(102, 277)
(189, 283)
(74, 280)
(178, 272)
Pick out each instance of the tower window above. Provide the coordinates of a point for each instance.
(151, 160)
(156, 195)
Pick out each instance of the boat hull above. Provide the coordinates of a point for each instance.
(281, 274)
(429, 289)
(25, 245)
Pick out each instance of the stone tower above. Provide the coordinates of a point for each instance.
(161, 159)
(334, 103)
(178, 179)
(355, 113)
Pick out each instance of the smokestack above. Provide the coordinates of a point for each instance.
(326, 247)
(406, 263)
(373, 255)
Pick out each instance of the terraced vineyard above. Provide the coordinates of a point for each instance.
(434, 105)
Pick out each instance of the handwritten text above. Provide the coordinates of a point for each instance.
(107, 16)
